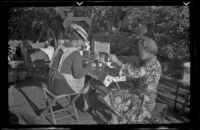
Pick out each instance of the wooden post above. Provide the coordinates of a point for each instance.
(176, 97)
(24, 53)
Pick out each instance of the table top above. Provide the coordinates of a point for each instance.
(100, 73)
(28, 65)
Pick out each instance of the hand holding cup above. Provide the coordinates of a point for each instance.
(113, 58)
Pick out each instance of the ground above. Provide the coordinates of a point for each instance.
(27, 101)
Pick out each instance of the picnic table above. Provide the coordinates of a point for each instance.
(30, 67)
(106, 74)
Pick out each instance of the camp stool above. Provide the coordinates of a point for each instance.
(54, 65)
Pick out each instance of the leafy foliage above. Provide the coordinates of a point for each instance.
(167, 25)
(13, 44)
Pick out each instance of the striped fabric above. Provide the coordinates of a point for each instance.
(80, 30)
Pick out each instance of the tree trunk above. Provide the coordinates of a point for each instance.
(60, 11)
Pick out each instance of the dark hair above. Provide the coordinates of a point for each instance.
(140, 30)
(147, 50)
(53, 43)
(71, 34)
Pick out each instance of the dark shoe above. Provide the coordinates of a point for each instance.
(123, 121)
(92, 91)
(111, 122)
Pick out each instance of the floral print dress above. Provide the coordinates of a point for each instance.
(137, 104)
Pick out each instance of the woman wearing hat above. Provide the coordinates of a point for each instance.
(70, 75)
(135, 106)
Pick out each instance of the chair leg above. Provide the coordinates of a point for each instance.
(117, 85)
(76, 97)
(77, 117)
(69, 99)
(52, 115)
(46, 98)
(73, 100)
(47, 105)
(163, 115)
(45, 112)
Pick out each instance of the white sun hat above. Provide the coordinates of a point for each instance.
(80, 31)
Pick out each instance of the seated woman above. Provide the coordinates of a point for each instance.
(136, 105)
(49, 48)
(68, 74)
(42, 51)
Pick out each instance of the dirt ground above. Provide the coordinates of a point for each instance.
(26, 100)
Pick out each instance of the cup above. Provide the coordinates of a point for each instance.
(81, 52)
(108, 64)
(100, 65)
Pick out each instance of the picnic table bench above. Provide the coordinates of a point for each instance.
(182, 88)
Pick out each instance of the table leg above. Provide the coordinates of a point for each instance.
(29, 72)
(32, 72)
(16, 75)
(117, 85)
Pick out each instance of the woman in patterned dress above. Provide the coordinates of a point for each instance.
(134, 106)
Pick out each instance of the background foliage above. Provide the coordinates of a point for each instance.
(167, 25)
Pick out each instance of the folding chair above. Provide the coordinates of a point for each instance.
(53, 69)
(55, 100)
(158, 114)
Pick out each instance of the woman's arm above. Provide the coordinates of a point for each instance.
(115, 60)
(151, 68)
(119, 63)
(77, 69)
(37, 45)
(130, 71)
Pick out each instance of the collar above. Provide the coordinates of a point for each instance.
(150, 58)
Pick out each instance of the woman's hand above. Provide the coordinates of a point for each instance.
(115, 60)
(93, 64)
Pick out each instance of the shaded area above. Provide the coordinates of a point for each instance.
(27, 101)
